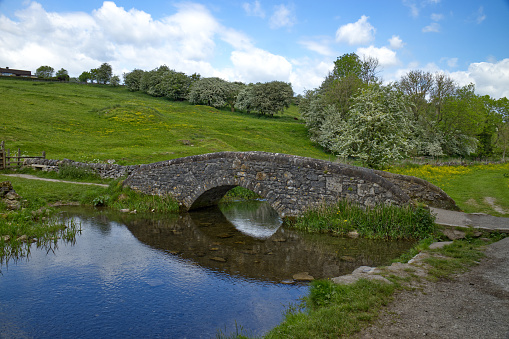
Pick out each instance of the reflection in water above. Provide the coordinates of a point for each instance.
(255, 219)
(211, 240)
(181, 276)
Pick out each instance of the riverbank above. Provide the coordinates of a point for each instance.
(474, 304)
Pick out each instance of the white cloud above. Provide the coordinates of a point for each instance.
(257, 65)
(437, 17)
(320, 46)
(433, 27)
(308, 74)
(284, 16)
(386, 57)
(489, 78)
(358, 33)
(480, 15)
(127, 39)
(451, 62)
(414, 9)
(396, 42)
(254, 9)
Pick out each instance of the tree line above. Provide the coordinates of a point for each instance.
(101, 75)
(264, 98)
(353, 115)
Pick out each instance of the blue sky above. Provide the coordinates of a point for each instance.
(251, 41)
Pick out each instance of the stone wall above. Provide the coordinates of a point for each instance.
(111, 171)
(289, 183)
(421, 190)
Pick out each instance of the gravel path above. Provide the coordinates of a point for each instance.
(472, 305)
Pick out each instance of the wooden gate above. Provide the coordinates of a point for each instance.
(13, 161)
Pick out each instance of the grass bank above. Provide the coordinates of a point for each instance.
(92, 123)
(475, 188)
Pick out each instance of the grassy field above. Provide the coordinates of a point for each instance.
(97, 123)
(478, 188)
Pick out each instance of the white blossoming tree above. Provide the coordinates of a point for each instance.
(376, 130)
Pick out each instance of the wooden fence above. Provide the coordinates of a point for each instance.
(11, 161)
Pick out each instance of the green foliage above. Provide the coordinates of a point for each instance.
(375, 130)
(377, 222)
(72, 172)
(446, 120)
(115, 81)
(476, 188)
(112, 123)
(45, 72)
(160, 82)
(214, 92)
(121, 197)
(85, 76)
(62, 75)
(101, 200)
(239, 193)
(265, 98)
(41, 226)
(334, 310)
(103, 74)
(132, 80)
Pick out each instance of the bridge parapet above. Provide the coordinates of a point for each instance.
(290, 183)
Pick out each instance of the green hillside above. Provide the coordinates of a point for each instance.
(98, 123)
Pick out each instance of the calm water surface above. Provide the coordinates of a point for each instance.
(184, 276)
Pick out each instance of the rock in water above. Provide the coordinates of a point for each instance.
(303, 276)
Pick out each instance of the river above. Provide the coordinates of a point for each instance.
(188, 276)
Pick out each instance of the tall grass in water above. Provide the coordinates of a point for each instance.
(19, 230)
(377, 222)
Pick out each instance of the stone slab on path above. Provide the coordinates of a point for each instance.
(475, 220)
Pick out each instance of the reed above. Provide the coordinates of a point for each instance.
(376, 222)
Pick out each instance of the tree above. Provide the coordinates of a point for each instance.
(115, 81)
(45, 72)
(132, 80)
(150, 81)
(266, 98)
(417, 85)
(376, 130)
(213, 92)
(94, 74)
(62, 75)
(347, 79)
(104, 73)
(175, 85)
(85, 76)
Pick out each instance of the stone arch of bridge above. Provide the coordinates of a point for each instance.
(211, 193)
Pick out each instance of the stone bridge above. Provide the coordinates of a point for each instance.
(289, 183)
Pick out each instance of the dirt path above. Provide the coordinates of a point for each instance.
(472, 305)
(33, 177)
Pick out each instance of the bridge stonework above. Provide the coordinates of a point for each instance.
(290, 183)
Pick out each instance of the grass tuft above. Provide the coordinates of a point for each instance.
(378, 222)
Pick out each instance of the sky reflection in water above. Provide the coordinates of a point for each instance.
(143, 276)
